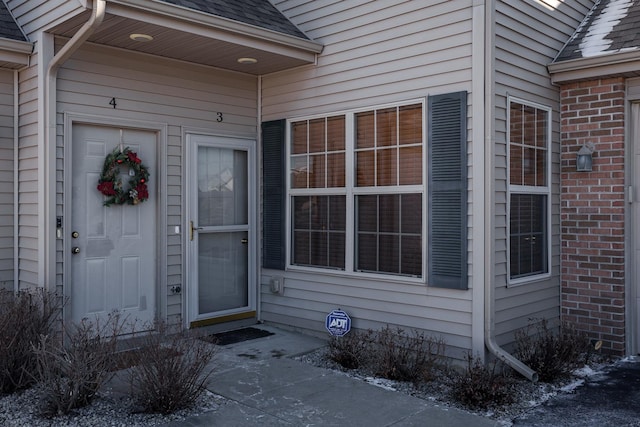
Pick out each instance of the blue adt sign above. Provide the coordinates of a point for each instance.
(338, 323)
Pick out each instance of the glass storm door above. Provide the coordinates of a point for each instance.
(220, 228)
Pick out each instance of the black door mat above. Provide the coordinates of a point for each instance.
(239, 335)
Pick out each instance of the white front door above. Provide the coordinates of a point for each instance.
(113, 249)
(221, 228)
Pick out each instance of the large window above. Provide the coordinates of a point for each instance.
(529, 189)
(368, 217)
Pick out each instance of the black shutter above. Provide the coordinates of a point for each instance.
(273, 194)
(447, 216)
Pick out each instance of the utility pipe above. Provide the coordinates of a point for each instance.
(489, 293)
(48, 174)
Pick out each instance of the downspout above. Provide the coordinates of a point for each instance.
(16, 147)
(259, 180)
(49, 197)
(489, 248)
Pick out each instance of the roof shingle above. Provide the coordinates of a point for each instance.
(611, 26)
(8, 27)
(260, 13)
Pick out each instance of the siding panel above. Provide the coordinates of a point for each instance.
(159, 91)
(528, 35)
(6, 179)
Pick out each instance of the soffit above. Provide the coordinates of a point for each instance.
(196, 37)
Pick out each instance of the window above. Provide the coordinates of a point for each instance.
(529, 189)
(359, 192)
(379, 209)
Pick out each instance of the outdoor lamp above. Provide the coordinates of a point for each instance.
(584, 161)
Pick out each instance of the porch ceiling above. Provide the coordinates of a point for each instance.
(198, 38)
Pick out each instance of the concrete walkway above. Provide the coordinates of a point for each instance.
(264, 386)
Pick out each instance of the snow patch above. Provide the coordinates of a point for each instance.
(595, 42)
(381, 382)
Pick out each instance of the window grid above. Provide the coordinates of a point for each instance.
(390, 141)
(529, 139)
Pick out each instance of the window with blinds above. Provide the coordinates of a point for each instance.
(529, 190)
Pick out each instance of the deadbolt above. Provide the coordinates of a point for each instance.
(75, 250)
(75, 234)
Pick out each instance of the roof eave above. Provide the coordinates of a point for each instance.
(221, 23)
(14, 53)
(615, 63)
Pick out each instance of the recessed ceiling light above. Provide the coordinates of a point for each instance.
(141, 37)
(247, 60)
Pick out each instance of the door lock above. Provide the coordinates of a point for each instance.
(75, 234)
(75, 250)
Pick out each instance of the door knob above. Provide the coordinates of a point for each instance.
(75, 234)
(75, 250)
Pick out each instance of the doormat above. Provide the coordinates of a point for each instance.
(239, 335)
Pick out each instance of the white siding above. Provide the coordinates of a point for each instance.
(6, 179)
(161, 91)
(33, 15)
(375, 52)
(528, 35)
(28, 176)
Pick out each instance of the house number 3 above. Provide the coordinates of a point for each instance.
(219, 117)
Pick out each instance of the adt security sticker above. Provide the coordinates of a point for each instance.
(338, 323)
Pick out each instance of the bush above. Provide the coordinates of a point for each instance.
(553, 355)
(481, 387)
(24, 317)
(351, 351)
(169, 372)
(389, 353)
(71, 374)
(407, 357)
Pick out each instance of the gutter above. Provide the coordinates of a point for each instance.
(489, 248)
(47, 198)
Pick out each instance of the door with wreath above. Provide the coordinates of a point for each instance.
(113, 225)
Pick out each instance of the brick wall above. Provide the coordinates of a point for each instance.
(592, 211)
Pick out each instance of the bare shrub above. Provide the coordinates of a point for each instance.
(353, 350)
(169, 371)
(407, 357)
(71, 373)
(24, 317)
(481, 386)
(553, 354)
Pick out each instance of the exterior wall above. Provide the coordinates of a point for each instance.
(33, 15)
(6, 179)
(527, 37)
(592, 211)
(28, 175)
(182, 96)
(375, 52)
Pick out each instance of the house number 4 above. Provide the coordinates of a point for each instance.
(113, 102)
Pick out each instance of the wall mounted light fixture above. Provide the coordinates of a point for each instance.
(584, 161)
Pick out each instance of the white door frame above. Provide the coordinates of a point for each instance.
(190, 200)
(632, 225)
(159, 199)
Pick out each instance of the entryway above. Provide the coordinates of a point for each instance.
(221, 229)
(634, 225)
(113, 248)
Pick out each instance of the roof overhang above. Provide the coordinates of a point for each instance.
(193, 36)
(614, 64)
(14, 54)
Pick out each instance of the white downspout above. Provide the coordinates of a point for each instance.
(489, 247)
(48, 189)
(16, 147)
(257, 198)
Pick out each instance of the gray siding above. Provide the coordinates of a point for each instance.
(6, 178)
(28, 176)
(161, 91)
(528, 35)
(32, 15)
(375, 52)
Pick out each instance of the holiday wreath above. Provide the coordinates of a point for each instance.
(110, 183)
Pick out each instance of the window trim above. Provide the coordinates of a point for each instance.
(350, 191)
(524, 189)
